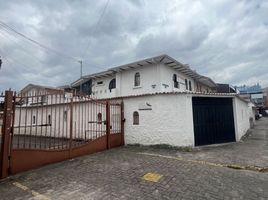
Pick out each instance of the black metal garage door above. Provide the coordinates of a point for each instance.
(213, 120)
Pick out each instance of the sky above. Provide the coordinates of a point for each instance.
(224, 39)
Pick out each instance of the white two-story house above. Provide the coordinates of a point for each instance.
(153, 75)
(165, 102)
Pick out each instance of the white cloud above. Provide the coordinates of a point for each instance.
(223, 39)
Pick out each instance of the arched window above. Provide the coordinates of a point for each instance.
(175, 81)
(137, 80)
(136, 120)
(49, 119)
(34, 119)
(190, 85)
(186, 84)
(112, 84)
(99, 116)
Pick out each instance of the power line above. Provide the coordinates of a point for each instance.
(98, 23)
(8, 29)
(5, 26)
(22, 48)
(14, 70)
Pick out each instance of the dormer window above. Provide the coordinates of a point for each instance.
(137, 80)
(112, 84)
(175, 81)
(186, 84)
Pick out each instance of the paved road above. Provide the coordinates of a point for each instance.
(118, 174)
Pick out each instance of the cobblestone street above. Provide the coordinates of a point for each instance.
(118, 174)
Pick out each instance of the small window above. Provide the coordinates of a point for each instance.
(175, 80)
(65, 114)
(99, 116)
(100, 83)
(186, 84)
(112, 84)
(137, 79)
(34, 121)
(135, 118)
(44, 99)
(190, 85)
(49, 119)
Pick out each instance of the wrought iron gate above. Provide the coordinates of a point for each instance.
(54, 127)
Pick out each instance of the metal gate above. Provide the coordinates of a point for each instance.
(213, 120)
(44, 129)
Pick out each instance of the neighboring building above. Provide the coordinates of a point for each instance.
(32, 90)
(153, 75)
(249, 89)
(265, 96)
(225, 88)
(27, 94)
(253, 93)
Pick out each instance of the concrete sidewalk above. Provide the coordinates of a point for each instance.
(252, 151)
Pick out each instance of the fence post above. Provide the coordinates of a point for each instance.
(6, 131)
(71, 128)
(108, 124)
(122, 124)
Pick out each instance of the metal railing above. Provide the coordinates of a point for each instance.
(50, 121)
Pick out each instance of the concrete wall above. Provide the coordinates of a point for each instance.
(163, 119)
(168, 122)
(242, 114)
(169, 119)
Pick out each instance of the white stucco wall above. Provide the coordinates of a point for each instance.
(153, 78)
(169, 121)
(148, 77)
(166, 78)
(101, 91)
(241, 117)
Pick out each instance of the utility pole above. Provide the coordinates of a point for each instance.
(81, 73)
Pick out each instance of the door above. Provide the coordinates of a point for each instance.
(213, 120)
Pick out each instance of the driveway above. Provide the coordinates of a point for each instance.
(173, 174)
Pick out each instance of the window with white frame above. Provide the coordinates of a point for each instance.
(112, 84)
(137, 80)
(186, 84)
(34, 119)
(175, 81)
(190, 85)
(136, 119)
